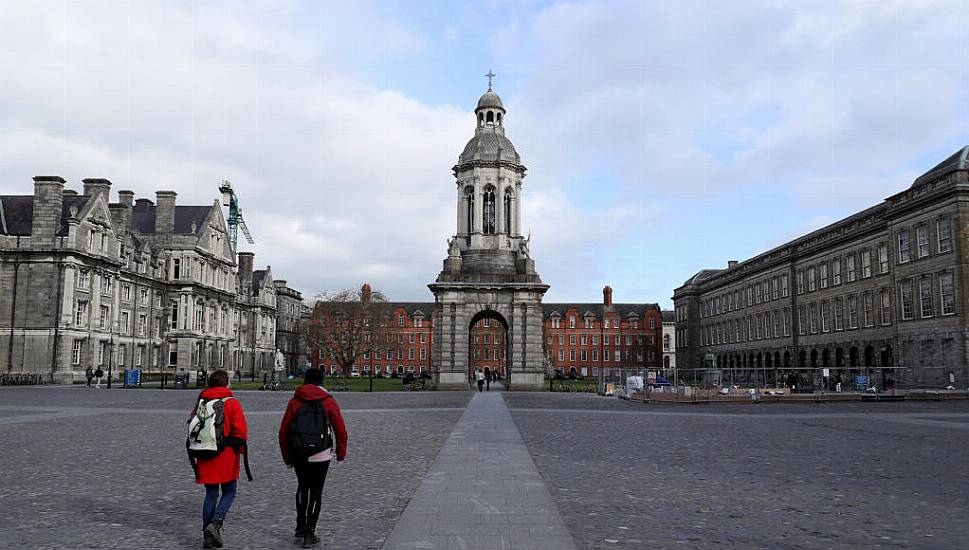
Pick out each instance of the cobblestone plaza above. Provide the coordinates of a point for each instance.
(106, 469)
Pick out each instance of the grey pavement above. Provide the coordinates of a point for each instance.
(106, 469)
(482, 492)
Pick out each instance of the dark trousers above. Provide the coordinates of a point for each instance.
(215, 508)
(480, 385)
(310, 477)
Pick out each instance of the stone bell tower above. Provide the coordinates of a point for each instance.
(488, 272)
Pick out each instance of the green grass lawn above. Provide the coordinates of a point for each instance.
(588, 385)
(337, 384)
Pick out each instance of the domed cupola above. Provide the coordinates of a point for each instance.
(489, 143)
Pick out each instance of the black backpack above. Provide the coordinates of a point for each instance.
(309, 432)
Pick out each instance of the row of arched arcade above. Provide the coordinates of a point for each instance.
(803, 369)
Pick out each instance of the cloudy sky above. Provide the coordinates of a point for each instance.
(660, 137)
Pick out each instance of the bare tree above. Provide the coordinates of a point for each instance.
(349, 325)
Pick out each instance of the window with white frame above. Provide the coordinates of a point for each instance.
(76, 352)
(925, 296)
(850, 267)
(867, 307)
(836, 271)
(946, 296)
(853, 311)
(80, 313)
(922, 235)
(882, 258)
(906, 299)
(943, 228)
(903, 244)
(865, 263)
(811, 281)
(886, 307)
(104, 317)
(823, 274)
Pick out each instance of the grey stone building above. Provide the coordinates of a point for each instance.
(881, 294)
(488, 272)
(133, 284)
(256, 310)
(289, 304)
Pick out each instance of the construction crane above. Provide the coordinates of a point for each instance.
(235, 221)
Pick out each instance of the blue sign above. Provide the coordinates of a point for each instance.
(132, 377)
(862, 381)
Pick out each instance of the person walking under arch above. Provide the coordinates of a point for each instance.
(307, 446)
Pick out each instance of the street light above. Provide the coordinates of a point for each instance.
(110, 359)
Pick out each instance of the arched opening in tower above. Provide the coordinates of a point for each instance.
(488, 347)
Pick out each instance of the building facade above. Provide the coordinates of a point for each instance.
(604, 339)
(133, 284)
(289, 324)
(669, 343)
(878, 298)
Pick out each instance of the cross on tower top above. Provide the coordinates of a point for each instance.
(490, 75)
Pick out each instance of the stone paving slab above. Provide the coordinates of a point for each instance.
(483, 491)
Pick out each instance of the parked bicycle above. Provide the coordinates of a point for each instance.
(21, 379)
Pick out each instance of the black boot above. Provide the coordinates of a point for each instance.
(310, 538)
(214, 530)
(206, 540)
(300, 532)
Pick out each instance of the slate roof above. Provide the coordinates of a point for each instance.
(598, 309)
(669, 316)
(488, 100)
(17, 213)
(427, 308)
(143, 218)
(701, 276)
(958, 161)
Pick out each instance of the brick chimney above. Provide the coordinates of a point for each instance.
(165, 214)
(48, 205)
(366, 293)
(245, 271)
(607, 296)
(97, 187)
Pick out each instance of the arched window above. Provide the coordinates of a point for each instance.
(491, 117)
(508, 211)
(489, 211)
(469, 204)
(480, 118)
(499, 119)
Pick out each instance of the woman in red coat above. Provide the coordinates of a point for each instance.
(311, 470)
(222, 471)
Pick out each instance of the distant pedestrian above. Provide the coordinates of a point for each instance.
(89, 374)
(214, 456)
(488, 382)
(480, 381)
(306, 443)
(98, 375)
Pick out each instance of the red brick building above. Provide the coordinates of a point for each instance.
(580, 339)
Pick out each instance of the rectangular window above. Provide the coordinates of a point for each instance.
(176, 270)
(850, 267)
(561, 355)
(105, 284)
(400, 320)
(595, 355)
(413, 338)
(561, 339)
(906, 299)
(853, 311)
(836, 271)
(605, 356)
(925, 296)
(617, 357)
(605, 340)
(868, 309)
(80, 312)
(777, 323)
(801, 324)
(571, 339)
(774, 291)
(584, 339)
(903, 252)
(122, 351)
(813, 311)
(825, 317)
(144, 295)
(595, 340)
(126, 292)
(886, 313)
(767, 325)
(922, 234)
(943, 229)
(82, 278)
(76, 352)
(584, 355)
(787, 322)
(103, 318)
(750, 295)
(946, 293)
(883, 258)
(785, 284)
(839, 313)
(424, 353)
(800, 282)
(766, 290)
(123, 329)
(865, 263)
(174, 316)
(811, 281)
(410, 353)
(823, 274)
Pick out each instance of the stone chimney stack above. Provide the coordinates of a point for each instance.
(97, 187)
(142, 203)
(607, 296)
(48, 205)
(245, 271)
(731, 263)
(126, 199)
(165, 214)
(366, 293)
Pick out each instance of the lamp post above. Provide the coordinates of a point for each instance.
(110, 359)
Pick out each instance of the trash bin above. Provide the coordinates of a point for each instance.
(200, 379)
(181, 381)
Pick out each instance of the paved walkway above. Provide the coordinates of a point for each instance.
(483, 491)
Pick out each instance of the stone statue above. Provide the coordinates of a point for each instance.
(523, 246)
(453, 250)
(280, 361)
